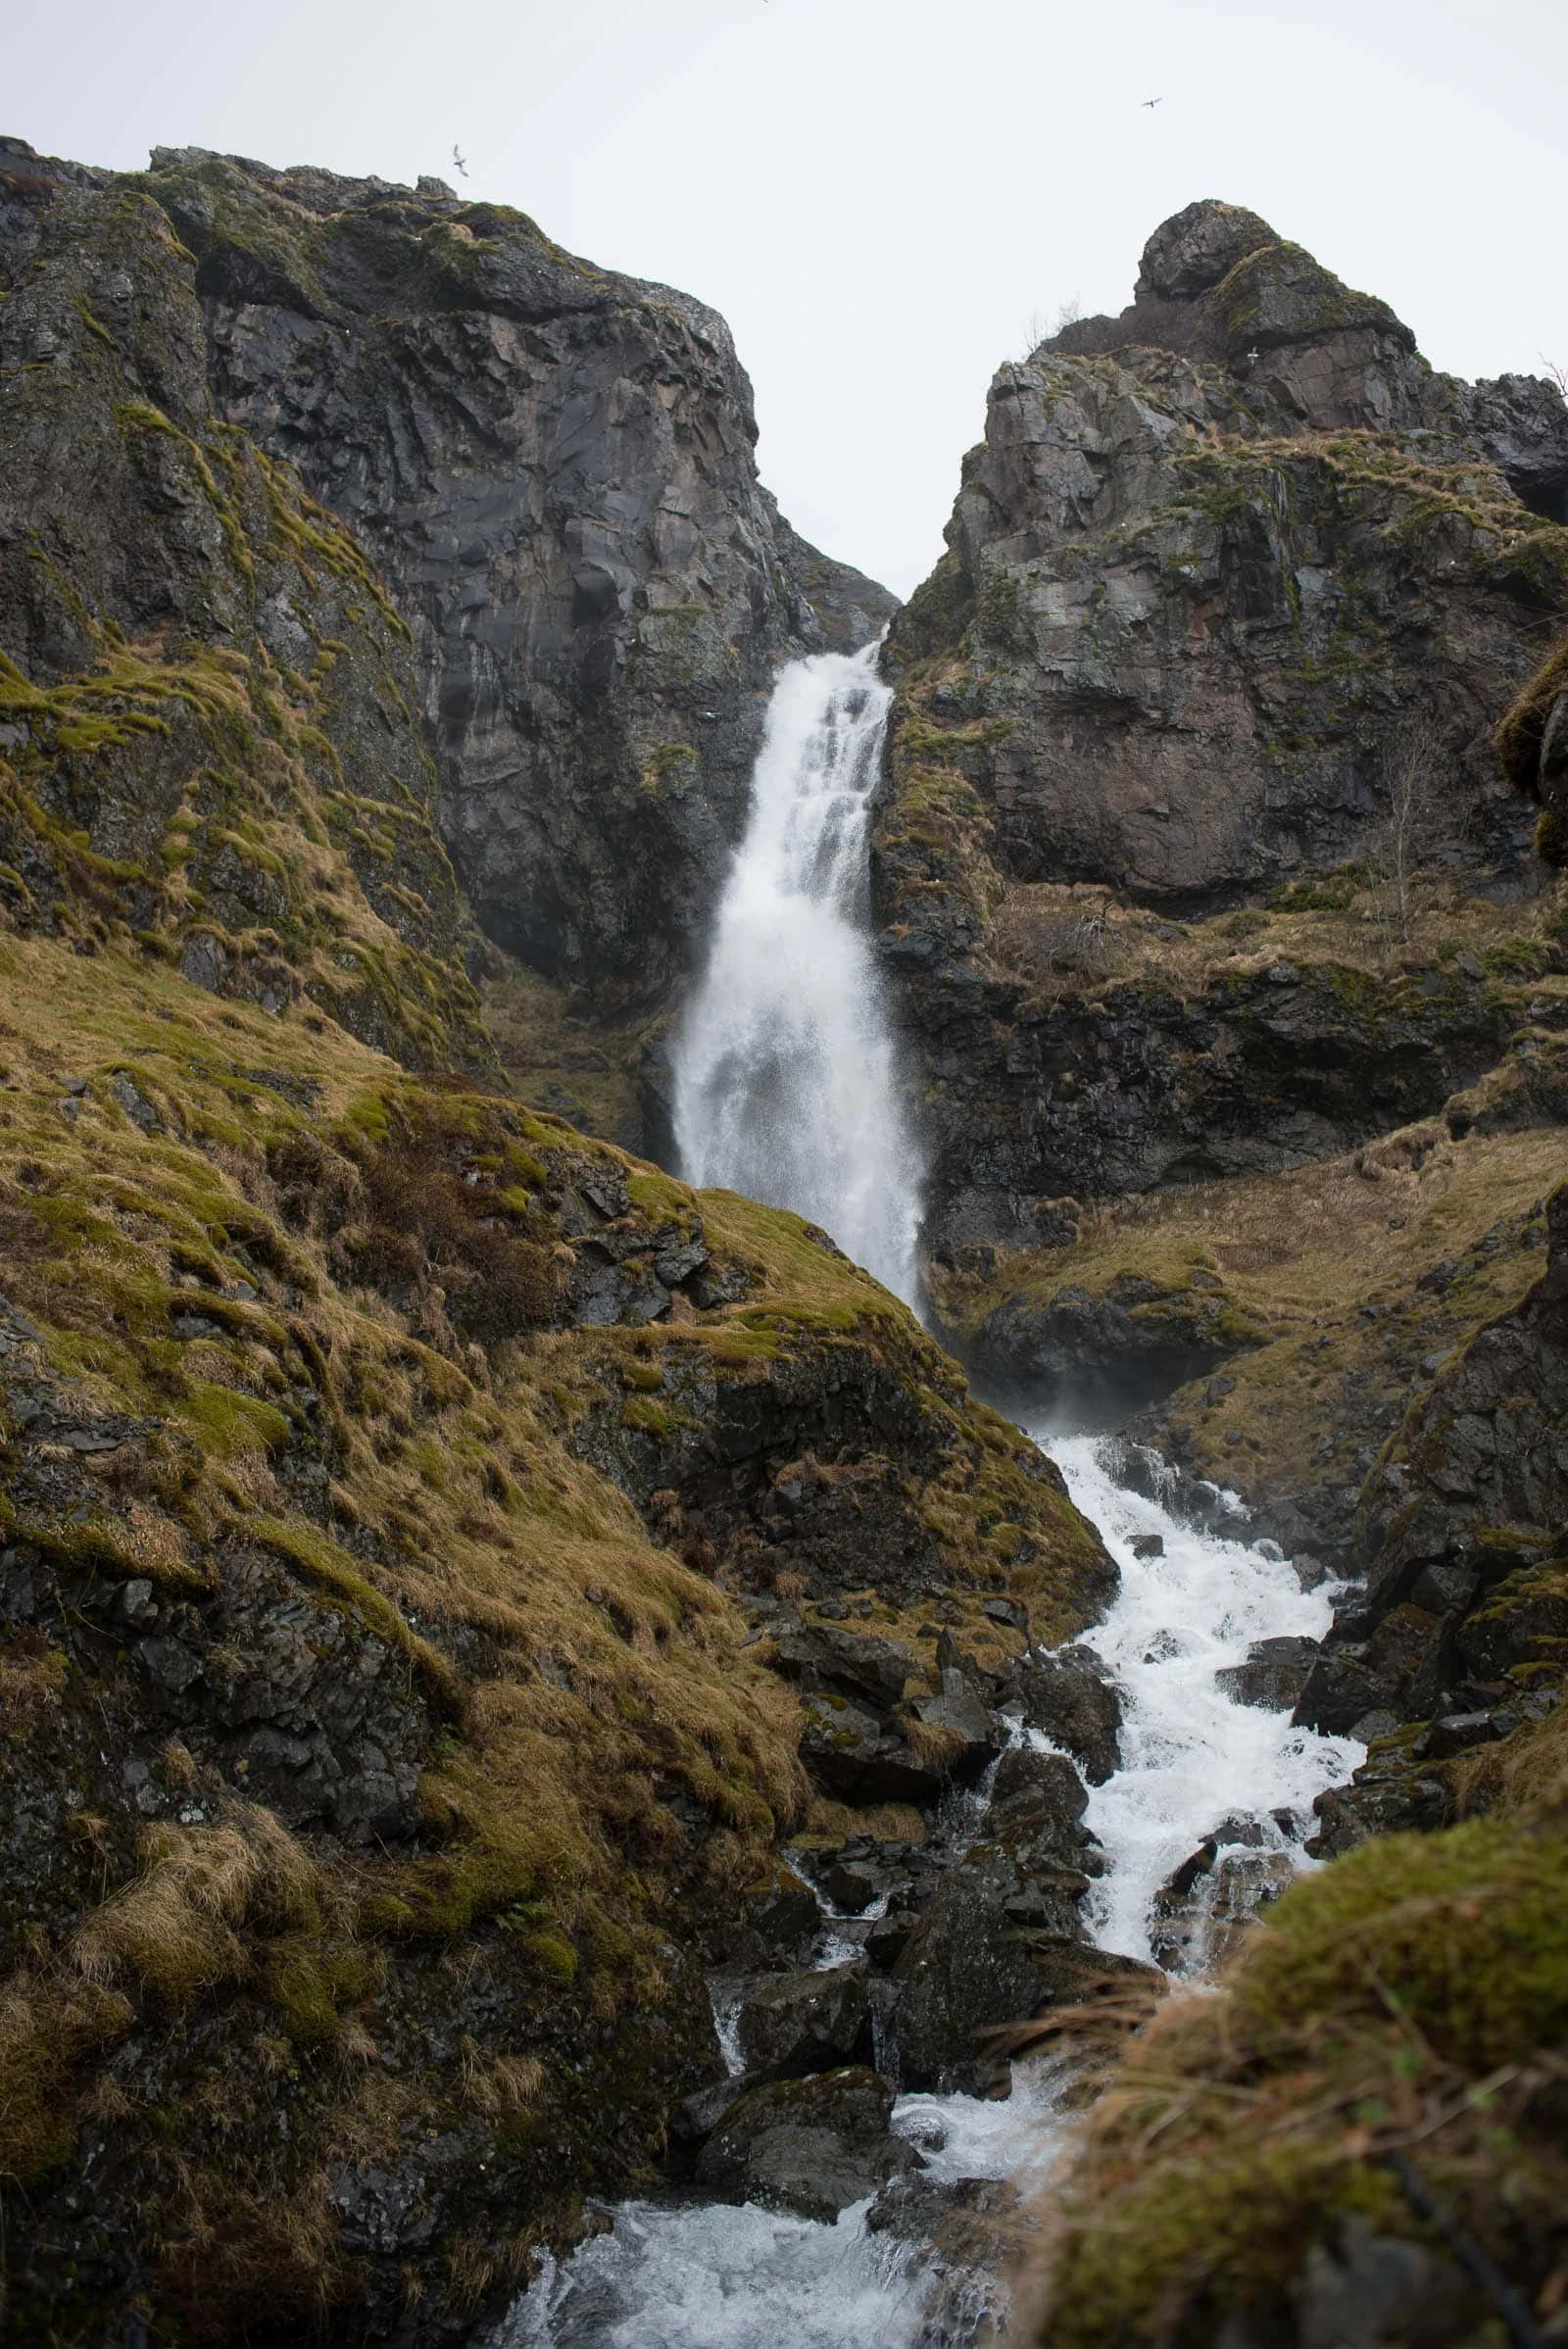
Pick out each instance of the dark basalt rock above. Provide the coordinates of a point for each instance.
(856, 1664)
(1274, 1674)
(553, 467)
(1029, 1785)
(810, 2145)
(988, 1951)
(1215, 566)
(1106, 1355)
(1069, 1696)
(795, 2024)
(1458, 1630)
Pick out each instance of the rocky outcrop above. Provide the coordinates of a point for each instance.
(206, 733)
(1454, 1641)
(811, 2146)
(1236, 590)
(551, 466)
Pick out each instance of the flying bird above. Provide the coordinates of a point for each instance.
(457, 160)
(1153, 102)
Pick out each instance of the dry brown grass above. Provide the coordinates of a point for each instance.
(50, 2030)
(1326, 1265)
(1075, 940)
(174, 1930)
(33, 1677)
(1062, 939)
(496, 2084)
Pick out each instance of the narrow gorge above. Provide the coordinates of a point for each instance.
(783, 1380)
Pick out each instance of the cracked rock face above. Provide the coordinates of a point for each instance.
(1220, 553)
(1230, 578)
(553, 465)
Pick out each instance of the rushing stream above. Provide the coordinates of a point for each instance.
(785, 1090)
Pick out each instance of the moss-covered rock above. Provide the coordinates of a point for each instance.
(210, 740)
(1371, 2097)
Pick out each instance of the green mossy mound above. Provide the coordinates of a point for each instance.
(1389, 2041)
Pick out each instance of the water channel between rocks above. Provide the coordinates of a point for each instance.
(689, 2275)
(785, 1089)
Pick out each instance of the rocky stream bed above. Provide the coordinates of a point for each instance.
(865, 2168)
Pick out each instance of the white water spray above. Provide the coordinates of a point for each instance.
(784, 1070)
(1190, 1755)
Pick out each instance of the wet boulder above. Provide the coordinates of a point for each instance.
(813, 2146)
(859, 1666)
(1398, 1670)
(1031, 1786)
(781, 1918)
(794, 2024)
(1071, 1699)
(860, 1756)
(966, 2235)
(697, 2116)
(972, 1735)
(973, 1961)
(1273, 1676)
(1204, 1905)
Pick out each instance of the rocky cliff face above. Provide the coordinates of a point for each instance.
(205, 688)
(553, 467)
(1237, 592)
(395, 1487)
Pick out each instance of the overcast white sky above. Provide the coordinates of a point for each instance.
(888, 197)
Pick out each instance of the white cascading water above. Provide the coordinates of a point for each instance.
(784, 1070)
(786, 1091)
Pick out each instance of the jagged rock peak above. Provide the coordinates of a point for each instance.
(1198, 246)
(553, 467)
(1217, 284)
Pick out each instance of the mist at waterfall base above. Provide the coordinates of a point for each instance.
(786, 1091)
(784, 1069)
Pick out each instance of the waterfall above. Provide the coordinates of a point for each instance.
(785, 1091)
(784, 1069)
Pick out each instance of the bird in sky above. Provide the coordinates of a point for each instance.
(457, 160)
(1153, 102)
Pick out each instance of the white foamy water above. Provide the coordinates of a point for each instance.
(711, 2276)
(694, 2275)
(784, 1070)
(1190, 1757)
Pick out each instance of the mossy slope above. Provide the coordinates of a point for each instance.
(367, 1754)
(207, 728)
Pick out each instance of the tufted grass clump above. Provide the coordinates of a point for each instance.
(174, 1931)
(1400, 2013)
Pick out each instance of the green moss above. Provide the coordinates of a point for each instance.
(1466, 1933)
(311, 1978)
(1222, 2233)
(320, 1560)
